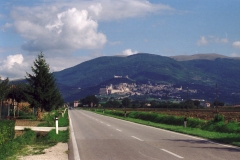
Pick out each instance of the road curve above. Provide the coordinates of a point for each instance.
(104, 138)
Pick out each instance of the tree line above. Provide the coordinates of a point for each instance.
(129, 103)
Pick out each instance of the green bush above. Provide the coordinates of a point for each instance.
(195, 122)
(49, 119)
(63, 121)
(165, 119)
(218, 118)
(231, 127)
(62, 136)
(116, 113)
(144, 116)
(219, 125)
(7, 130)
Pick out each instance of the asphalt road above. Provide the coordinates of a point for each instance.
(100, 137)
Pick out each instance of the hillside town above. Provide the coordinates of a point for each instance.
(158, 90)
(161, 91)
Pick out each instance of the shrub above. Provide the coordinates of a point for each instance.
(231, 127)
(62, 136)
(63, 121)
(7, 131)
(166, 119)
(49, 119)
(116, 113)
(29, 137)
(218, 118)
(195, 122)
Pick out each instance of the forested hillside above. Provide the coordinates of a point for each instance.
(142, 67)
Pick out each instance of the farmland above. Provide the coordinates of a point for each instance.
(204, 114)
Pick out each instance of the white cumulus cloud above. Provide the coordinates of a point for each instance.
(129, 8)
(13, 66)
(6, 26)
(236, 44)
(129, 52)
(71, 29)
(96, 9)
(119, 9)
(205, 40)
(12, 59)
(16, 66)
(72, 25)
(202, 41)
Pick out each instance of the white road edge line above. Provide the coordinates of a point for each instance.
(171, 153)
(137, 138)
(75, 147)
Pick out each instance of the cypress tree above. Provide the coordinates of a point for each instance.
(42, 91)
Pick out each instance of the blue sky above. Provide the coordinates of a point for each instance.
(69, 32)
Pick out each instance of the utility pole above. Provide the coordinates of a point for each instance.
(216, 97)
(167, 99)
(187, 98)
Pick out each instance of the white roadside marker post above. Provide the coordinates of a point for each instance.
(56, 120)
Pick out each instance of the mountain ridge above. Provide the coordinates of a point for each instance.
(203, 74)
(201, 56)
(144, 67)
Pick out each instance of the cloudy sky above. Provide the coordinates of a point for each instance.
(69, 32)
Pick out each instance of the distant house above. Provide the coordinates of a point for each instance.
(76, 103)
(117, 76)
(206, 105)
(147, 104)
(179, 89)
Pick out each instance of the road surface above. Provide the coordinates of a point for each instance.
(98, 137)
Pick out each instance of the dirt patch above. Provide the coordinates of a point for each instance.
(57, 152)
(19, 133)
(22, 122)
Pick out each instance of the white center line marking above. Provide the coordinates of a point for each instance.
(137, 138)
(171, 153)
(119, 130)
(108, 125)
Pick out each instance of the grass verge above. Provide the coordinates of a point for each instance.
(33, 144)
